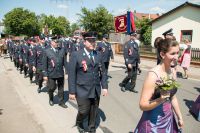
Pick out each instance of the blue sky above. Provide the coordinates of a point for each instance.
(70, 8)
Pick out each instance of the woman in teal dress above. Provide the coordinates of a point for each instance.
(159, 109)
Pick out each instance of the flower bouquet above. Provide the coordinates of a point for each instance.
(166, 85)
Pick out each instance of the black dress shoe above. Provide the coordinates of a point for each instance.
(121, 84)
(39, 90)
(63, 105)
(139, 70)
(132, 90)
(51, 103)
(123, 89)
(80, 129)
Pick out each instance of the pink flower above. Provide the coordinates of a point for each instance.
(130, 52)
(52, 63)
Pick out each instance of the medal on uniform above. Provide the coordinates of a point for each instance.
(52, 63)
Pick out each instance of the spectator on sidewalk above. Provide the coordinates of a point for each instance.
(1, 47)
(185, 58)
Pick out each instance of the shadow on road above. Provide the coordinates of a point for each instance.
(197, 88)
(1, 111)
(123, 67)
(188, 103)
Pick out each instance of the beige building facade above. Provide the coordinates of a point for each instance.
(185, 22)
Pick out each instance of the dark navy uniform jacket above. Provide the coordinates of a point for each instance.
(131, 53)
(54, 63)
(16, 51)
(23, 52)
(76, 47)
(107, 53)
(10, 47)
(84, 78)
(31, 55)
(39, 56)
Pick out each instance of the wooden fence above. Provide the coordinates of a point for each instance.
(151, 52)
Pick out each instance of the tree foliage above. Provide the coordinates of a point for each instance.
(145, 30)
(59, 25)
(21, 22)
(74, 27)
(99, 20)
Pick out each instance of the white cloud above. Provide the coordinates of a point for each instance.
(157, 10)
(62, 6)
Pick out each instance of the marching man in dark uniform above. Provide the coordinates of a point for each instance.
(10, 48)
(105, 48)
(31, 56)
(24, 52)
(38, 62)
(168, 34)
(132, 58)
(54, 62)
(85, 83)
(76, 45)
(16, 53)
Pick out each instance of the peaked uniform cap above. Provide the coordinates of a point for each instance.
(90, 34)
(133, 33)
(105, 36)
(168, 32)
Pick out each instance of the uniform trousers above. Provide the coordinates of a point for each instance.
(30, 71)
(39, 77)
(16, 62)
(52, 87)
(132, 75)
(21, 65)
(87, 107)
(25, 68)
(106, 66)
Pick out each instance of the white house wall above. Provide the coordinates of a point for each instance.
(187, 18)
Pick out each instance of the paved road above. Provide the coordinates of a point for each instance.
(119, 112)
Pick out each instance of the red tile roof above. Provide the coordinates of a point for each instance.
(145, 15)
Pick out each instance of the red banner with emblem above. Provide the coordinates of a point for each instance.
(120, 23)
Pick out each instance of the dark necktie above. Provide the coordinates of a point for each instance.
(91, 57)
